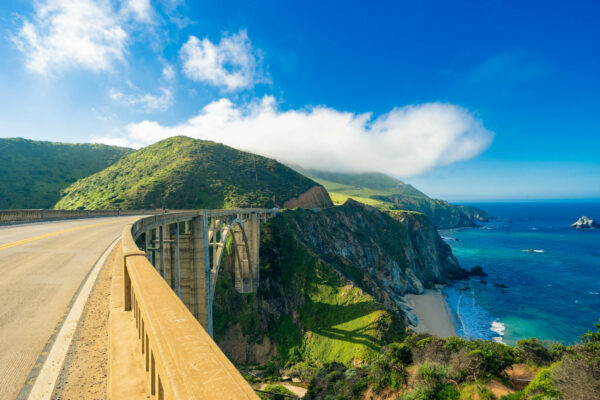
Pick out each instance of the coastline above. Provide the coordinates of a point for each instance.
(432, 312)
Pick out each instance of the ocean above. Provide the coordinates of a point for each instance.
(543, 278)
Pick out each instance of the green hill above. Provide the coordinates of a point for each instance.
(33, 173)
(390, 194)
(180, 172)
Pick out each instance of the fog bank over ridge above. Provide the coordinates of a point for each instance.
(403, 142)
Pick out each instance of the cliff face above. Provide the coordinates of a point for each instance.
(441, 213)
(331, 284)
(315, 197)
(387, 258)
(390, 194)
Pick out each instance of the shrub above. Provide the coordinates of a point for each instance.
(465, 365)
(274, 392)
(384, 374)
(514, 396)
(398, 353)
(495, 357)
(335, 381)
(533, 351)
(454, 344)
(431, 349)
(476, 391)
(542, 387)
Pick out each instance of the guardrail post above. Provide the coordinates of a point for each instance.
(178, 257)
(126, 286)
(147, 241)
(161, 229)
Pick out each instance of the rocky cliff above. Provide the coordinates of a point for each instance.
(390, 194)
(315, 197)
(331, 284)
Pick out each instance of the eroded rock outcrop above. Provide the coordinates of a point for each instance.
(315, 197)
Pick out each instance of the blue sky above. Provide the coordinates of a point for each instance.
(486, 100)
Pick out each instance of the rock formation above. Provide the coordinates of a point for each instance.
(585, 223)
(315, 197)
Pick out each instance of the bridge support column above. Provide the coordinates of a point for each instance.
(253, 234)
(201, 264)
(163, 233)
(187, 277)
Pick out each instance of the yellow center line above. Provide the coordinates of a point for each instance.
(47, 235)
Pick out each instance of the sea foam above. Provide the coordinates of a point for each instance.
(499, 328)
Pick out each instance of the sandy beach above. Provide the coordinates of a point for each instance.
(430, 307)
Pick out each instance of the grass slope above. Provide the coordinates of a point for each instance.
(390, 194)
(33, 173)
(305, 305)
(181, 172)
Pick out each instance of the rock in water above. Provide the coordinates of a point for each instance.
(585, 223)
(477, 271)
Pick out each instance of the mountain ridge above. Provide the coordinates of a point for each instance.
(184, 173)
(390, 194)
(33, 173)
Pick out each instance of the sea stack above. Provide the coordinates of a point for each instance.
(585, 223)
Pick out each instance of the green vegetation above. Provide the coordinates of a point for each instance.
(32, 173)
(180, 172)
(334, 320)
(274, 390)
(389, 194)
(454, 368)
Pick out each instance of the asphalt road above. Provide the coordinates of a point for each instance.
(41, 267)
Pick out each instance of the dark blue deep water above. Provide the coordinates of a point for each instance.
(552, 293)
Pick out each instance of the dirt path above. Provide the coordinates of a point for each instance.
(85, 372)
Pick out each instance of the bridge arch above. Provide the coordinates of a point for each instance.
(244, 263)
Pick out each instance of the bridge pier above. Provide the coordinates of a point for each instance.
(187, 251)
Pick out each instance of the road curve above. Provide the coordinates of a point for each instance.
(41, 267)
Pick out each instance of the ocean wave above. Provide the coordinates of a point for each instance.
(498, 327)
(472, 319)
(449, 239)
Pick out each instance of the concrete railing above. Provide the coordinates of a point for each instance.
(20, 216)
(180, 359)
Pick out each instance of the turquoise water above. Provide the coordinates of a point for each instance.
(552, 293)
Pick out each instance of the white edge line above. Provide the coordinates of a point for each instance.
(46, 380)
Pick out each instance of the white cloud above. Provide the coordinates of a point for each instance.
(404, 142)
(141, 10)
(145, 101)
(168, 72)
(82, 33)
(231, 64)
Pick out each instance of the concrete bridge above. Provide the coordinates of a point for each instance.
(164, 272)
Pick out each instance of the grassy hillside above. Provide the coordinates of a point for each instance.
(311, 309)
(32, 173)
(180, 172)
(390, 194)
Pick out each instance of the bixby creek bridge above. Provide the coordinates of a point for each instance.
(163, 268)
